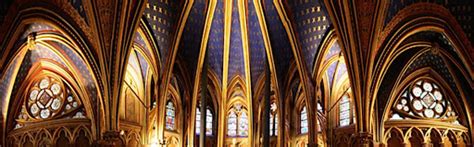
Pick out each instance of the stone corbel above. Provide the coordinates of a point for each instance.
(111, 139)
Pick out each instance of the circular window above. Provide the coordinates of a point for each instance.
(46, 98)
(424, 99)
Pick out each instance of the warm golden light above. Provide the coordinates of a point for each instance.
(31, 41)
(154, 143)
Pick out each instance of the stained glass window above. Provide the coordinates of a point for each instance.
(198, 121)
(243, 124)
(46, 99)
(423, 99)
(49, 98)
(232, 124)
(320, 110)
(237, 122)
(170, 116)
(344, 111)
(273, 120)
(271, 124)
(208, 121)
(276, 125)
(303, 121)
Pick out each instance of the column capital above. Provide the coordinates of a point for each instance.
(110, 138)
(363, 139)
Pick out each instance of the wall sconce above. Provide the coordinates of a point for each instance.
(31, 41)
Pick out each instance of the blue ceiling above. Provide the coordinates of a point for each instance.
(334, 50)
(25, 64)
(189, 46)
(143, 65)
(6, 80)
(161, 17)
(337, 65)
(236, 55)
(139, 40)
(279, 41)
(463, 11)
(215, 45)
(330, 72)
(256, 45)
(80, 66)
(311, 22)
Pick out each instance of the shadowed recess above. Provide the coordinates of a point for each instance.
(4, 5)
(461, 9)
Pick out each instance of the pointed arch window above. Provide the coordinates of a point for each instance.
(170, 115)
(209, 117)
(303, 121)
(237, 122)
(273, 120)
(344, 111)
(424, 99)
(232, 124)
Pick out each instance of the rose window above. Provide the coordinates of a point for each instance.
(423, 99)
(47, 98)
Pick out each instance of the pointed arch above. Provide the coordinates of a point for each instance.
(432, 75)
(238, 116)
(442, 96)
(395, 43)
(55, 46)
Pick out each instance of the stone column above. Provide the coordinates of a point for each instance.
(202, 134)
(266, 109)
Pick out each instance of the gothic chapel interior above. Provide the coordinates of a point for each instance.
(236, 73)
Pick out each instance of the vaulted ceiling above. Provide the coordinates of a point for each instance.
(246, 36)
(309, 24)
(263, 31)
